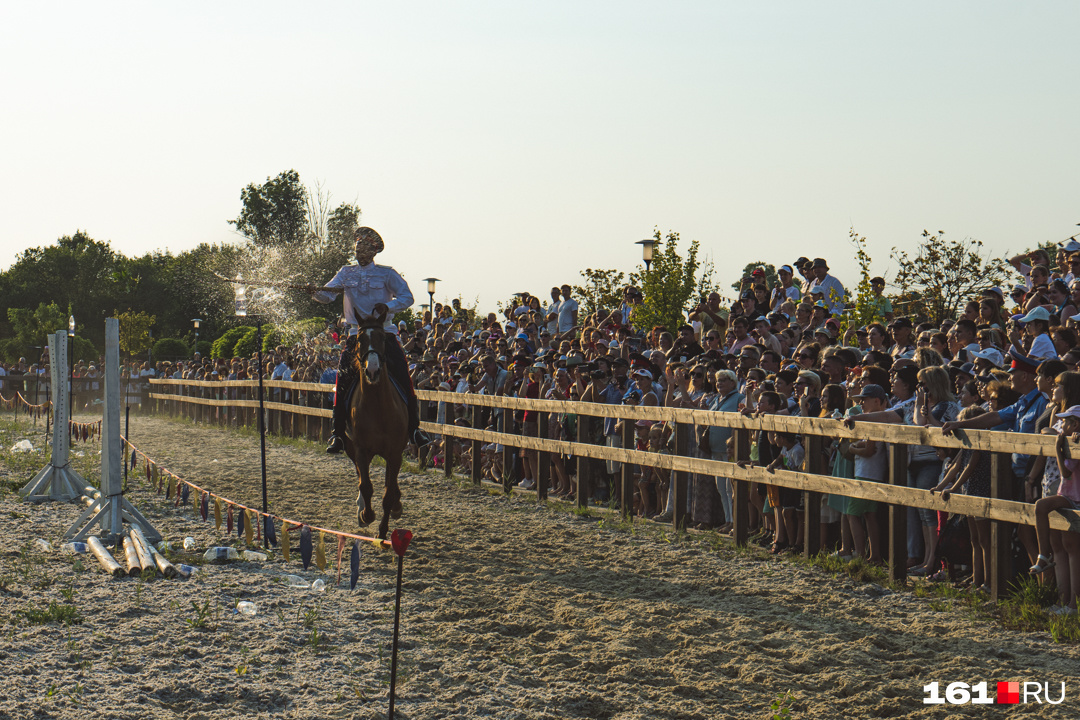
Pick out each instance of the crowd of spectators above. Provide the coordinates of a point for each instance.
(1009, 362)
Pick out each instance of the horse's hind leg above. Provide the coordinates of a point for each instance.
(365, 515)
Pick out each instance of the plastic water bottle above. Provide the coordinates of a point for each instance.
(187, 570)
(189, 543)
(253, 556)
(295, 581)
(319, 585)
(246, 608)
(43, 545)
(221, 553)
(73, 547)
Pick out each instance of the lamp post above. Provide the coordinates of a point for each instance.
(431, 294)
(195, 350)
(646, 251)
(71, 368)
(242, 311)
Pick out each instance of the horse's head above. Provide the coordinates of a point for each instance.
(371, 344)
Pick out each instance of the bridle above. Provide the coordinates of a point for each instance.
(370, 350)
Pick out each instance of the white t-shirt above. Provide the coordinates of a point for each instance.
(1042, 347)
(566, 314)
(553, 308)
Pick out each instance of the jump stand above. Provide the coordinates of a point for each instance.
(57, 480)
(110, 509)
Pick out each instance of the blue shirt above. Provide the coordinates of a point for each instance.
(1021, 416)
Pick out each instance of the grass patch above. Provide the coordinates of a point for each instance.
(54, 613)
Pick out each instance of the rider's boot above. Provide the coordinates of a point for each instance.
(345, 380)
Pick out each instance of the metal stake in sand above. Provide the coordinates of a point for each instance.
(399, 540)
(111, 509)
(240, 289)
(57, 480)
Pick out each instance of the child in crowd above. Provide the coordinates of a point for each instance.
(970, 471)
(871, 464)
(790, 458)
(1068, 497)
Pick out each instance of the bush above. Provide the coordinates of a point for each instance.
(224, 346)
(205, 347)
(171, 349)
(247, 345)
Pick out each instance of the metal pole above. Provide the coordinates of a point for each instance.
(127, 436)
(393, 652)
(262, 421)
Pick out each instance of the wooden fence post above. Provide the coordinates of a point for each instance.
(506, 425)
(896, 545)
(448, 444)
(477, 468)
(627, 470)
(1000, 571)
(680, 478)
(584, 484)
(543, 469)
(740, 492)
(815, 464)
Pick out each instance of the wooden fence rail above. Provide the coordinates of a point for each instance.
(304, 408)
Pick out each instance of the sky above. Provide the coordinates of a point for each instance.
(504, 147)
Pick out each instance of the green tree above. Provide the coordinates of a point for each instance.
(603, 289)
(30, 327)
(135, 332)
(668, 285)
(171, 349)
(943, 274)
(76, 272)
(274, 214)
(866, 308)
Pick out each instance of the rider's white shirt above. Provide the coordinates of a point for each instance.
(364, 286)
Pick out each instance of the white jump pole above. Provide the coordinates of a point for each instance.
(111, 509)
(57, 480)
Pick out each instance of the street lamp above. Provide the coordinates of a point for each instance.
(646, 251)
(195, 351)
(431, 293)
(240, 291)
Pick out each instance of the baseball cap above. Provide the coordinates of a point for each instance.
(872, 390)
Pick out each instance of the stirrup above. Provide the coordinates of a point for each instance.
(335, 445)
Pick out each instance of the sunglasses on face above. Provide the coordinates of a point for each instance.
(805, 356)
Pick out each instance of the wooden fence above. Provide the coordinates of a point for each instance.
(304, 409)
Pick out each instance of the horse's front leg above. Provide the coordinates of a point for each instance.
(391, 495)
(365, 515)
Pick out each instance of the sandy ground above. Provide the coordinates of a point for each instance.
(511, 610)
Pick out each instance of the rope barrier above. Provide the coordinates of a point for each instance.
(153, 469)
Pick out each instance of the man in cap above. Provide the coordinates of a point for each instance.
(369, 290)
(828, 287)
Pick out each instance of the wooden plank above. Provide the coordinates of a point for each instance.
(543, 470)
(626, 472)
(477, 455)
(506, 424)
(815, 465)
(680, 479)
(896, 545)
(740, 491)
(1000, 570)
(584, 486)
(1005, 510)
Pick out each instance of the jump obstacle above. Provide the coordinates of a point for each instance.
(109, 509)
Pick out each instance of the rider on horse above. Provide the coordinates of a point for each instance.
(368, 288)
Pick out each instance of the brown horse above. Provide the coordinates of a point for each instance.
(378, 422)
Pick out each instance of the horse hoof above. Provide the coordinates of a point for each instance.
(395, 511)
(365, 517)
